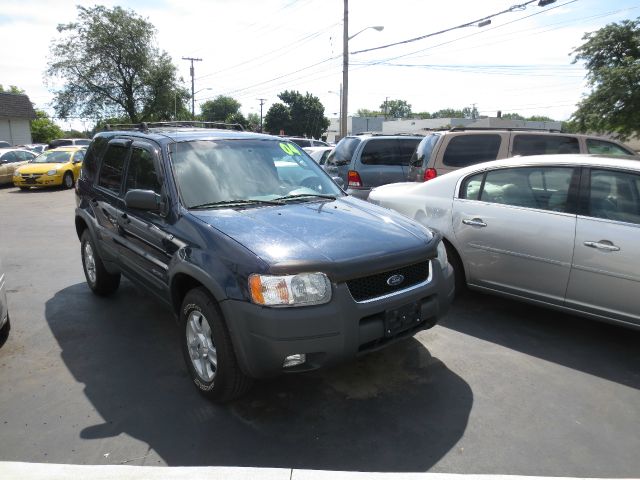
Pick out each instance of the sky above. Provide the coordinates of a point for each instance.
(253, 49)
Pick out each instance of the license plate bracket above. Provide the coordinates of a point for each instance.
(400, 319)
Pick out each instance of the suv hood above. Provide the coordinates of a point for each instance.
(347, 237)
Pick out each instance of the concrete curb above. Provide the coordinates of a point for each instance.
(49, 471)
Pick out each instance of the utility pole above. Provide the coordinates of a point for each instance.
(262, 100)
(345, 71)
(193, 100)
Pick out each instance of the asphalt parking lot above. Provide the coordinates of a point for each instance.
(498, 387)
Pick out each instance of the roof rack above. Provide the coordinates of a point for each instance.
(509, 129)
(145, 126)
(400, 134)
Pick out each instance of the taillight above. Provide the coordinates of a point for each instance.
(429, 174)
(353, 179)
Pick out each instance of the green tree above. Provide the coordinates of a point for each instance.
(364, 112)
(449, 113)
(11, 89)
(612, 59)
(111, 68)
(43, 130)
(253, 122)
(218, 109)
(299, 115)
(396, 108)
(238, 118)
(512, 116)
(539, 118)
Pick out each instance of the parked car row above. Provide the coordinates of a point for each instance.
(371, 160)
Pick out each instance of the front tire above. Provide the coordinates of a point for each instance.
(458, 270)
(208, 351)
(67, 180)
(100, 281)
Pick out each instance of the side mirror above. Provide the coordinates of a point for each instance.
(339, 181)
(142, 200)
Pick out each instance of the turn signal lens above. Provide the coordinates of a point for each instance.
(353, 179)
(429, 174)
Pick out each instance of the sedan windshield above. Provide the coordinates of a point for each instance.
(52, 157)
(247, 173)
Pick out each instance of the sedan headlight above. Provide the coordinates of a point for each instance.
(442, 256)
(52, 172)
(290, 290)
(16, 173)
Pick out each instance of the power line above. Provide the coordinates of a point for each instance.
(483, 20)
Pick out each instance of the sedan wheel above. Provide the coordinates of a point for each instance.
(67, 180)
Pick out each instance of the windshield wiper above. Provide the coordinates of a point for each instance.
(307, 195)
(239, 202)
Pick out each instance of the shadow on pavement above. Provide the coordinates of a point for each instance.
(605, 350)
(395, 410)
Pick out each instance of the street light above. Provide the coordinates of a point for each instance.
(193, 100)
(345, 67)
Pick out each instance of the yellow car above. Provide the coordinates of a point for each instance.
(56, 167)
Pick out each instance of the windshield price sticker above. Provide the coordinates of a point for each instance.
(289, 149)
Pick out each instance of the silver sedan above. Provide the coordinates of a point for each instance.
(561, 231)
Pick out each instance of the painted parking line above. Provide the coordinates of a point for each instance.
(47, 471)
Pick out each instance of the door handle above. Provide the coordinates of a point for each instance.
(476, 222)
(605, 245)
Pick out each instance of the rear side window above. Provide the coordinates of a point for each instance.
(112, 166)
(423, 151)
(464, 150)
(343, 153)
(615, 196)
(90, 163)
(382, 151)
(471, 187)
(407, 148)
(544, 144)
(605, 148)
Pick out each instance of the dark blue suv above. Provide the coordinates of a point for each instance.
(268, 265)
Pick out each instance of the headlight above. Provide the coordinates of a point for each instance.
(442, 256)
(301, 289)
(52, 172)
(16, 173)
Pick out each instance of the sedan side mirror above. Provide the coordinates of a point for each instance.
(142, 200)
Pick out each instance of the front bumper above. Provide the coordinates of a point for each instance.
(331, 333)
(38, 180)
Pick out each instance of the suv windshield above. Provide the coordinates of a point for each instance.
(246, 173)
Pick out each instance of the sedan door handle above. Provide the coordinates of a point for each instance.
(603, 245)
(476, 222)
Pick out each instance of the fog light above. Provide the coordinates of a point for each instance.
(293, 360)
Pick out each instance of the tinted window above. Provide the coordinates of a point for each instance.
(407, 148)
(301, 142)
(112, 166)
(90, 162)
(82, 142)
(423, 151)
(381, 151)
(78, 156)
(525, 144)
(606, 148)
(615, 196)
(141, 173)
(22, 156)
(464, 150)
(342, 154)
(546, 188)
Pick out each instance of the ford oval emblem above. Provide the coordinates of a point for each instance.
(395, 280)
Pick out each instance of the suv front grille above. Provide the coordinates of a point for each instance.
(374, 286)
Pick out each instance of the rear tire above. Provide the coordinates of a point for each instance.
(208, 351)
(24, 188)
(100, 281)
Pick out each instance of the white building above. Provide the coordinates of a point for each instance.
(16, 113)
